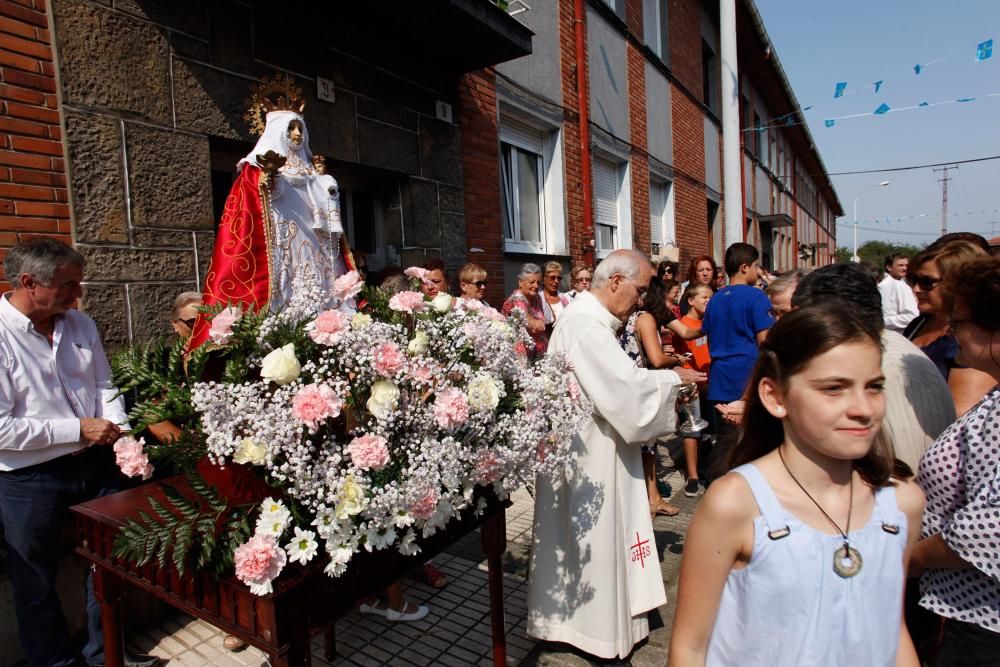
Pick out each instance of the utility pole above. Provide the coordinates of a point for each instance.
(944, 194)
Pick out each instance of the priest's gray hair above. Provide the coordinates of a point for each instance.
(41, 257)
(629, 263)
(528, 270)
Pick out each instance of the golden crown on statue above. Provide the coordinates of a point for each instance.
(279, 93)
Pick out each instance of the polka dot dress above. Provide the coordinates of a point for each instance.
(960, 474)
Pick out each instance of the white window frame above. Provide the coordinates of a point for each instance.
(652, 16)
(617, 6)
(622, 227)
(513, 126)
(662, 224)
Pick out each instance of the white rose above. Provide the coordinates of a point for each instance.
(501, 326)
(384, 399)
(281, 366)
(250, 452)
(419, 343)
(360, 321)
(442, 302)
(483, 393)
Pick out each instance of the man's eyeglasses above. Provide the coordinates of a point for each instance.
(640, 290)
(926, 283)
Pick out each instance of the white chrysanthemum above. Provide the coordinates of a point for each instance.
(483, 393)
(378, 538)
(303, 546)
(408, 545)
(273, 519)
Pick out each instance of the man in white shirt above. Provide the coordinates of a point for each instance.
(59, 416)
(594, 571)
(899, 306)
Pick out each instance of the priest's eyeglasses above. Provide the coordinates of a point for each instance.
(640, 290)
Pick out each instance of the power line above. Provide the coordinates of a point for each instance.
(916, 166)
(887, 231)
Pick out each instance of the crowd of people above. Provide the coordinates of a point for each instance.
(850, 468)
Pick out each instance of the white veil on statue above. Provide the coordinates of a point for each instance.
(304, 210)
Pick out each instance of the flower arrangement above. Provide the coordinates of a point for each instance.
(375, 426)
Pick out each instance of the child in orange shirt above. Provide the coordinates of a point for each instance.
(696, 297)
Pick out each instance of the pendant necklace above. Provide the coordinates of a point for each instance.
(846, 560)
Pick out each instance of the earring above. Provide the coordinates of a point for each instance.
(780, 412)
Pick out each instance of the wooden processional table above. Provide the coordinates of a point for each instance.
(305, 601)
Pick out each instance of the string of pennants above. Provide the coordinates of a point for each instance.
(907, 218)
(984, 51)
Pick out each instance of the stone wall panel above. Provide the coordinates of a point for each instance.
(451, 199)
(387, 147)
(111, 61)
(440, 151)
(169, 178)
(106, 305)
(423, 225)
(331, 126)
(204, 242)
(210, 101)
(453, 250)
(107, 264)
(97, 182)
(190, 16)
(162, 237)
(231, 35)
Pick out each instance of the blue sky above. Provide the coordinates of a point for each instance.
(863, 41)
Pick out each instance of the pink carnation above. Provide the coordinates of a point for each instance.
(574, 389)
(422, 373)
(131, 459)
(221, 330)
(388, 359)
(258, 562)
(451, 408)
(408, 302)
(314, 403)
(369, 452)
(329, 327)
(419, 273)
(425, 506)
(348, 285)
(486, 469)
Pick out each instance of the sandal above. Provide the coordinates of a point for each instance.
(664, 509)
(434, 577)
(409, 612)
(231, 643)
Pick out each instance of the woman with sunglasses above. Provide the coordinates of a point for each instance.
(929, 330)
(579, 279)
(552, 299)
(472, 285)
(184, 313)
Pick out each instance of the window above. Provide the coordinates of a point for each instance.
(617, 6)
(654, 27)
(611, 208)
(714, 228)
(709, 77)
(522, 204)
(661, 215)
(532, 205)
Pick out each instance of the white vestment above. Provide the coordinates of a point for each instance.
(899, 306)
(595, 568)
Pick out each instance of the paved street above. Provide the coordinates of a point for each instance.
(457, 630)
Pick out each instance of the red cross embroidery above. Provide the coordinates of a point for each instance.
(639, 552)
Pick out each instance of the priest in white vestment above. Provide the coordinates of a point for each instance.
(595, 569)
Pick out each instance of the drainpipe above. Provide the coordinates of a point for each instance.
(731, 159)
(583, 102)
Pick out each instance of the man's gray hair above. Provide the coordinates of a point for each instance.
(628, 263)
(41, 257)
(528, 269)
(786, 281)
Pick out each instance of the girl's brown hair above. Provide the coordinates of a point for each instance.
(794, 341)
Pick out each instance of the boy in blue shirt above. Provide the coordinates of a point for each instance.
(736, 322)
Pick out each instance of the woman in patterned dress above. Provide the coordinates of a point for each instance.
(958, 555)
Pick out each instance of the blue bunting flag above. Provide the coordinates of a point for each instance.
(839, 91)
(916, 69)
(882, 108)
(829, 122)
(878, 84)
(984, 50)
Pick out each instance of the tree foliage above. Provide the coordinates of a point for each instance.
(875, 252)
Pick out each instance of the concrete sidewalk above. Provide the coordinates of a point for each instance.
(457, 630)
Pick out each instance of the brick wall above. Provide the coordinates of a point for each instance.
(579, 238)
(33, 195)
(477, 119)
(638, 138)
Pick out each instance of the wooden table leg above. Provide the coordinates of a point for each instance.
(330, 641)
(108, 592)
(494, 535)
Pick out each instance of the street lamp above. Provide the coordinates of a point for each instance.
(880, 184)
